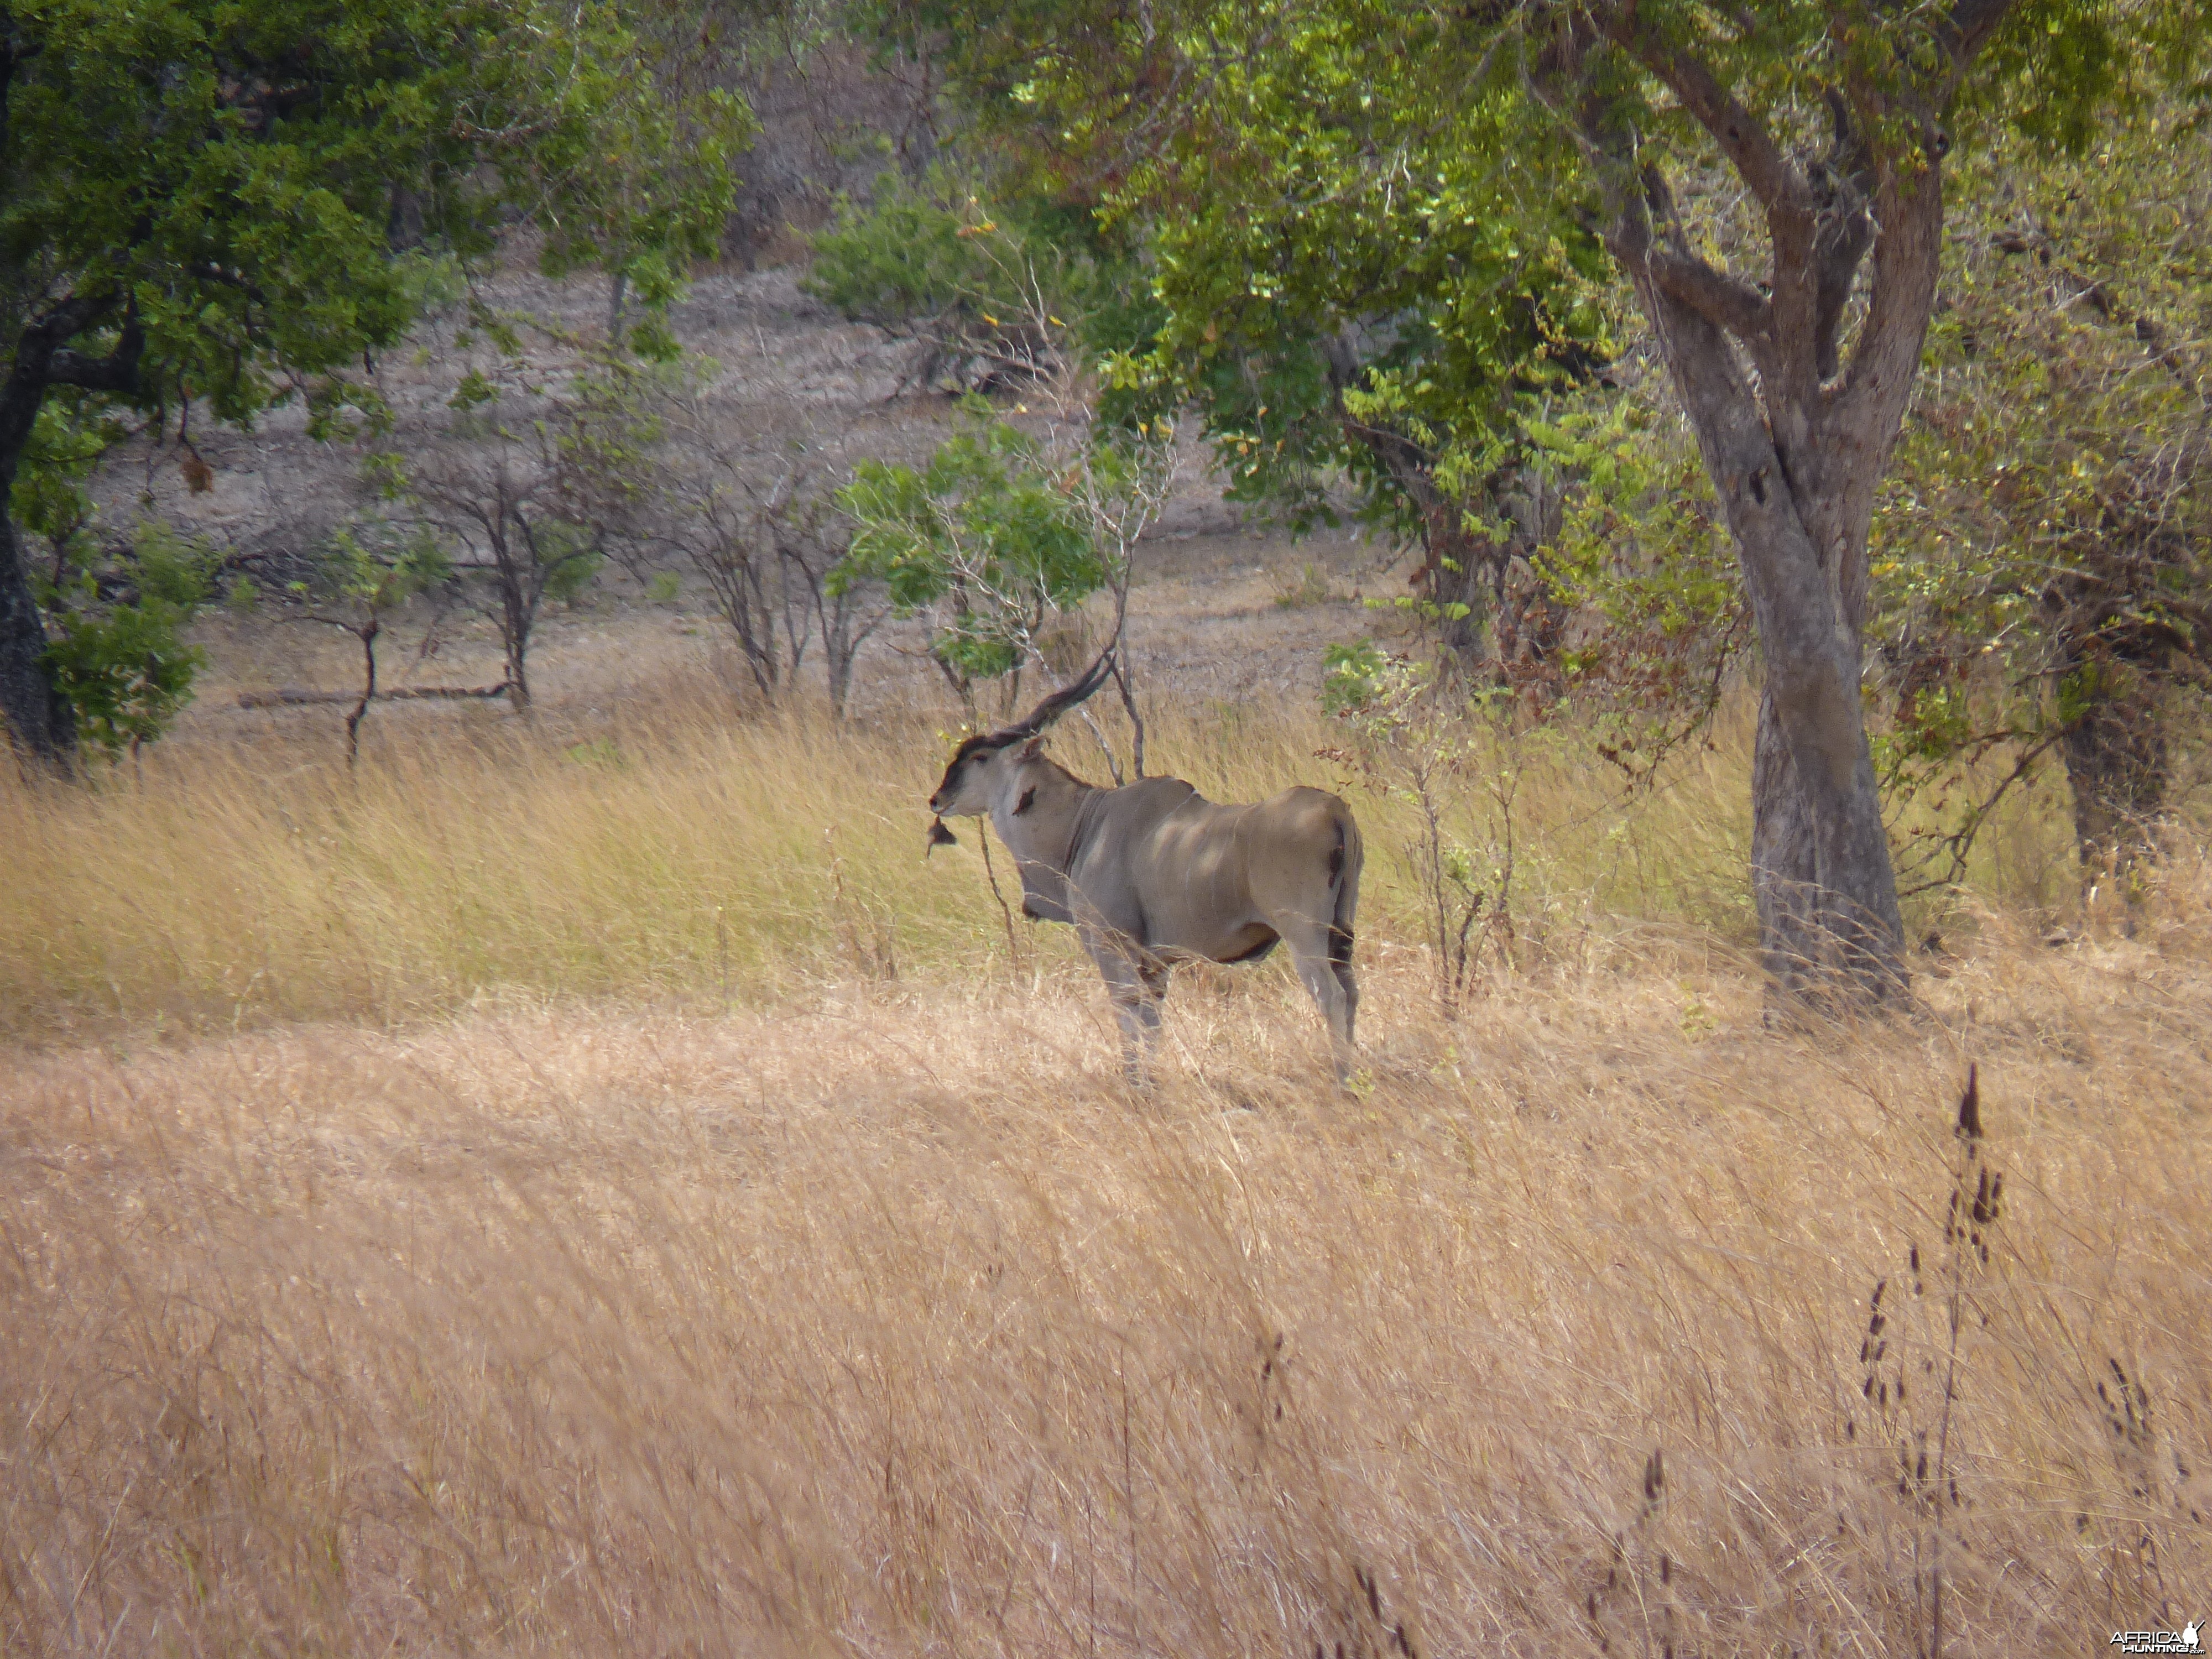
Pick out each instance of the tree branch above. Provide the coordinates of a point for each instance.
(117, 372)
(209, 272)
(294, 696)
(1726, 302)
(32, 372)
(1845, 232)
(1908, 207)
(1970, 27)
(1743, 137)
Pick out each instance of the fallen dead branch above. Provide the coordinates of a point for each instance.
(292, 697)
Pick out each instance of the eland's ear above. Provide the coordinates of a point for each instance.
(1032, 749)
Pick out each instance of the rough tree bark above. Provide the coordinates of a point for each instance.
(1794, 435)
(519, 592)
(40, 722)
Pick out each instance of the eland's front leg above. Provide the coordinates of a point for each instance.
(1140, 1017)
(1137, 983)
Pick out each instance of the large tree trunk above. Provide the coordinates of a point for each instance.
(38, 719)
(1794, 436)
(40, 722)
(1820, 865)
(1785, 865)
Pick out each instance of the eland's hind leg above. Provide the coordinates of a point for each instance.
(1339, 961)
(1330, 985)
(1340, 926)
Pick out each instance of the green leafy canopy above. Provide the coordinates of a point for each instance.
(220, 182)
(229, 206)
(120, 656)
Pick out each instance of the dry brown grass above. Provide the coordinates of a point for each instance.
(667, 852)
(596, 1274)
(896, 1325)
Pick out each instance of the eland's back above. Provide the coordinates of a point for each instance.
(1160, 874)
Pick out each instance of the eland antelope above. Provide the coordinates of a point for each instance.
(1154, 873)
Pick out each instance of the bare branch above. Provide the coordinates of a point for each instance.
(1743, 137)
(293, 697)
(1844, 232)
(42, 360)
(1726, 302)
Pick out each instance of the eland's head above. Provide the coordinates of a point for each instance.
(986, 768)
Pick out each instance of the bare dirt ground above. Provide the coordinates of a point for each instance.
(1221, 608)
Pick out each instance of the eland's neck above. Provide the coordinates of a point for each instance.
(1043, 831)
(1041, 836)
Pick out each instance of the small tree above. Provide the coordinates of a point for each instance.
(367, 571)
(982, 541)
(812, 535)
(726, 524)
(1416, 742)
(760, 525)
(1003, 531)
(529, 479)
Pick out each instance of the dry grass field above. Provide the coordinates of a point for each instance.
(587, 1185)
(642, 844)
(598, 1189)
(680, 855)
(896, 1325)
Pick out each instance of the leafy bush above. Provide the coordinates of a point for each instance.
(982, 536)
(991, 289)
(1352, 676)
(118, 655)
